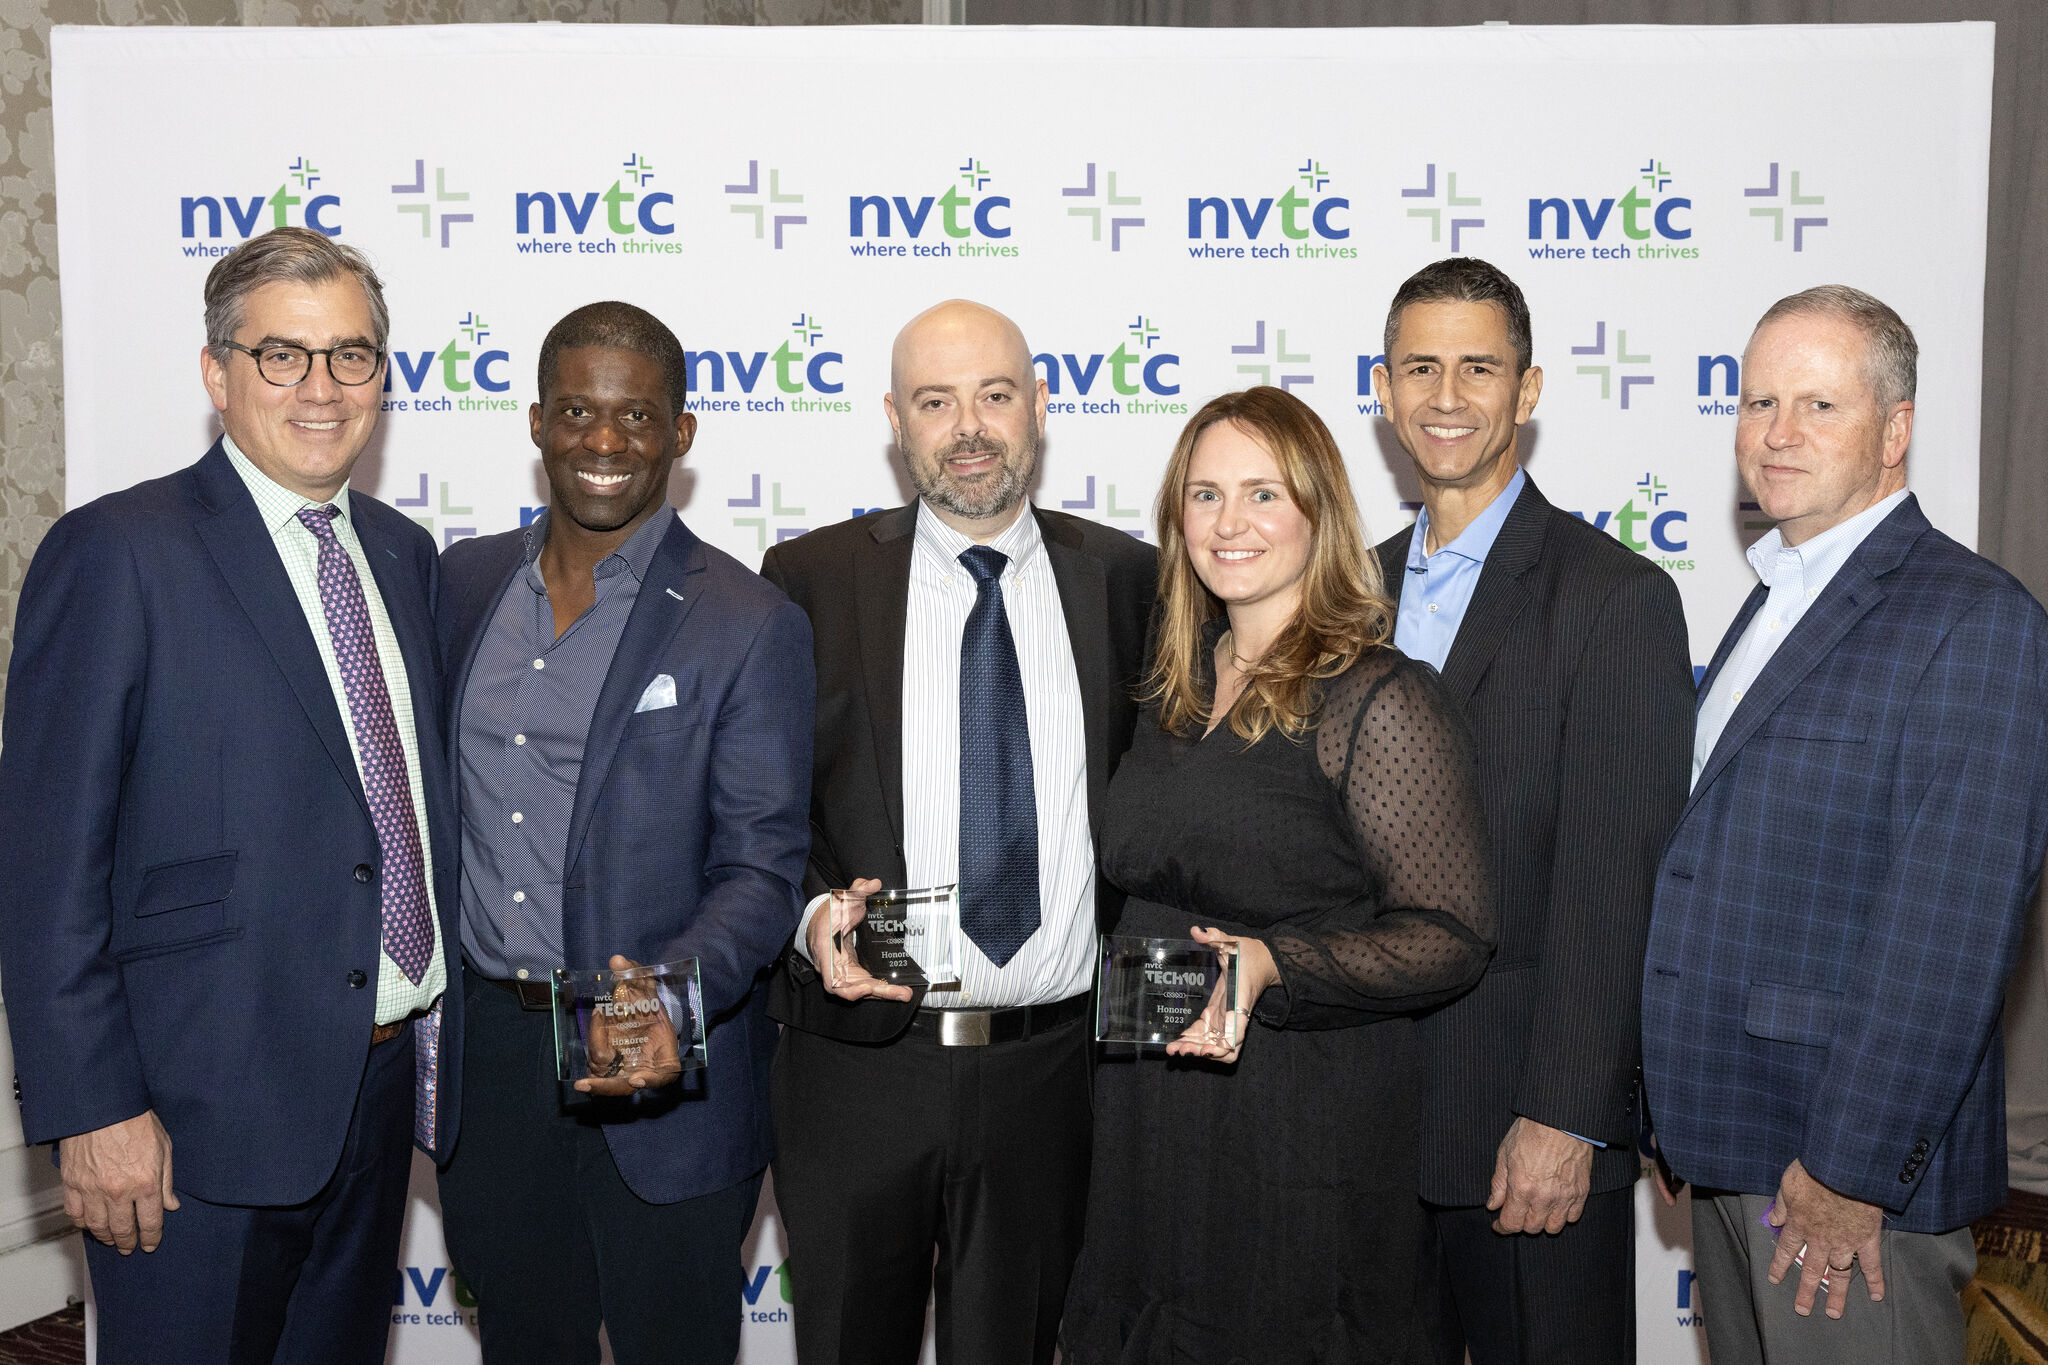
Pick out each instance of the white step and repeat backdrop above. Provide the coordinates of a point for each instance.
(1168, 213)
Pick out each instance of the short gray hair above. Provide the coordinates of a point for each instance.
(1892, 359)
(287, 255)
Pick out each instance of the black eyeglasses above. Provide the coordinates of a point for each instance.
(286, 365)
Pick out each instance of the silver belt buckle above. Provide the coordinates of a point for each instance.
(963, 1028)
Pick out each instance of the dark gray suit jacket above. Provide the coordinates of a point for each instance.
(1573, 667)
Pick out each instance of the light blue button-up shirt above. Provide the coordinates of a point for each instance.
(1438, 587)
(1796, 575)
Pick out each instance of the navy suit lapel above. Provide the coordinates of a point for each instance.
(881, 596)
(242, 549)
(1499, 597)
(1854, 591)
(1084, 601)
(405, 603)
(460, 649)
(667, 595)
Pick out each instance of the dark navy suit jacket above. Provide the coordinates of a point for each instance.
(1839, 907)
(190, 914)
(689, 831)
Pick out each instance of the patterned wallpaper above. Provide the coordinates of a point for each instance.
(31, 376)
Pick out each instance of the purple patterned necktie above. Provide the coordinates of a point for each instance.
(408, 929)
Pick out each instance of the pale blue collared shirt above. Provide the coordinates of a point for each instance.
(1438, 587)
(1796, 575)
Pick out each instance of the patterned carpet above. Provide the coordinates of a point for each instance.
(58, 1339)
(2008, 1301)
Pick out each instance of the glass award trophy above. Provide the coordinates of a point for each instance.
(646, 1020)
(907, 938)
(1152, 990)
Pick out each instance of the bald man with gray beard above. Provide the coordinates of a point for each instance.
(976, 658)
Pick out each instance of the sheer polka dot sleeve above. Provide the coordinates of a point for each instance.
(1393, 744)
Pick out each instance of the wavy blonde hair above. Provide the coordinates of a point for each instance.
(1344, 606)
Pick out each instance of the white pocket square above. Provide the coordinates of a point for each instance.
(661, 692)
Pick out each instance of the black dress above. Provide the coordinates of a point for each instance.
(1266, 1212)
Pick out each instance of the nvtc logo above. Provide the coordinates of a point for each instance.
(1368, 401)
(1130, 372)
(1731, 384)
(1305, 211)
(1646, 213)
(799, 368)
(459, 367)
(1663, 529)
(964, 213)
(1112, 200)
(1621, 356)
(1451, 201)
(458, 1310)
(1776, 213)
(216, 213)
(629, 209)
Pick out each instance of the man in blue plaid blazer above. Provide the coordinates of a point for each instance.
(1839, 907)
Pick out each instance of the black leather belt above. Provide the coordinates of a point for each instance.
(531, 995)
(976, 1028)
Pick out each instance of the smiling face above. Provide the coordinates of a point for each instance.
(305, 437)
(967, 408)
(1450, 389)
(1247, 537)
(1814, 445)
(608, 440)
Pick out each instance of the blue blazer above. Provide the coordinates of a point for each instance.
(1839, 907)
(189, 910)
(689, 831)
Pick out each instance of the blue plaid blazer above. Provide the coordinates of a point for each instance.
(1839, 907)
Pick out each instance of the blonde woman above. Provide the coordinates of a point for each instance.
(1300, 788)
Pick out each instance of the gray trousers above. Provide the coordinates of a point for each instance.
(1750, 1321)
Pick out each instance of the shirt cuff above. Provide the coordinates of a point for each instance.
(803, 926)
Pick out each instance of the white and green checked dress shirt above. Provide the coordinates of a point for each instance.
(279, 507)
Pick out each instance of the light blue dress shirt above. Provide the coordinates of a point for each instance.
(1795, 574)
(1437, 588)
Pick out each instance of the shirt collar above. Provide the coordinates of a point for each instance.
(1475, 542)
(276, 504)
(1020, 540)
(1819, 557)
(635, 555)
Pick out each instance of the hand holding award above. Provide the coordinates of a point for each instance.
(621, 1030)
(1219, 1033)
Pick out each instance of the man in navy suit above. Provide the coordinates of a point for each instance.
(631, 713)
(1839, 907)
(227, 920)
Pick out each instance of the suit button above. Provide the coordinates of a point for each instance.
(17, 1090)
(356, 980)
(364, 872)
(1920, 1147)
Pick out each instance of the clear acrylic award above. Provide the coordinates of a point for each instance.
(906, 938)
(1152, 990)
(646, 1021)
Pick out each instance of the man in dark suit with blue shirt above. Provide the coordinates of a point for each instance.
(1568, 652)
(1839, 907)
(631, 716)
(226, 899)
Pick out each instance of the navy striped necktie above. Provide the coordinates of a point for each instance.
(998, 802)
